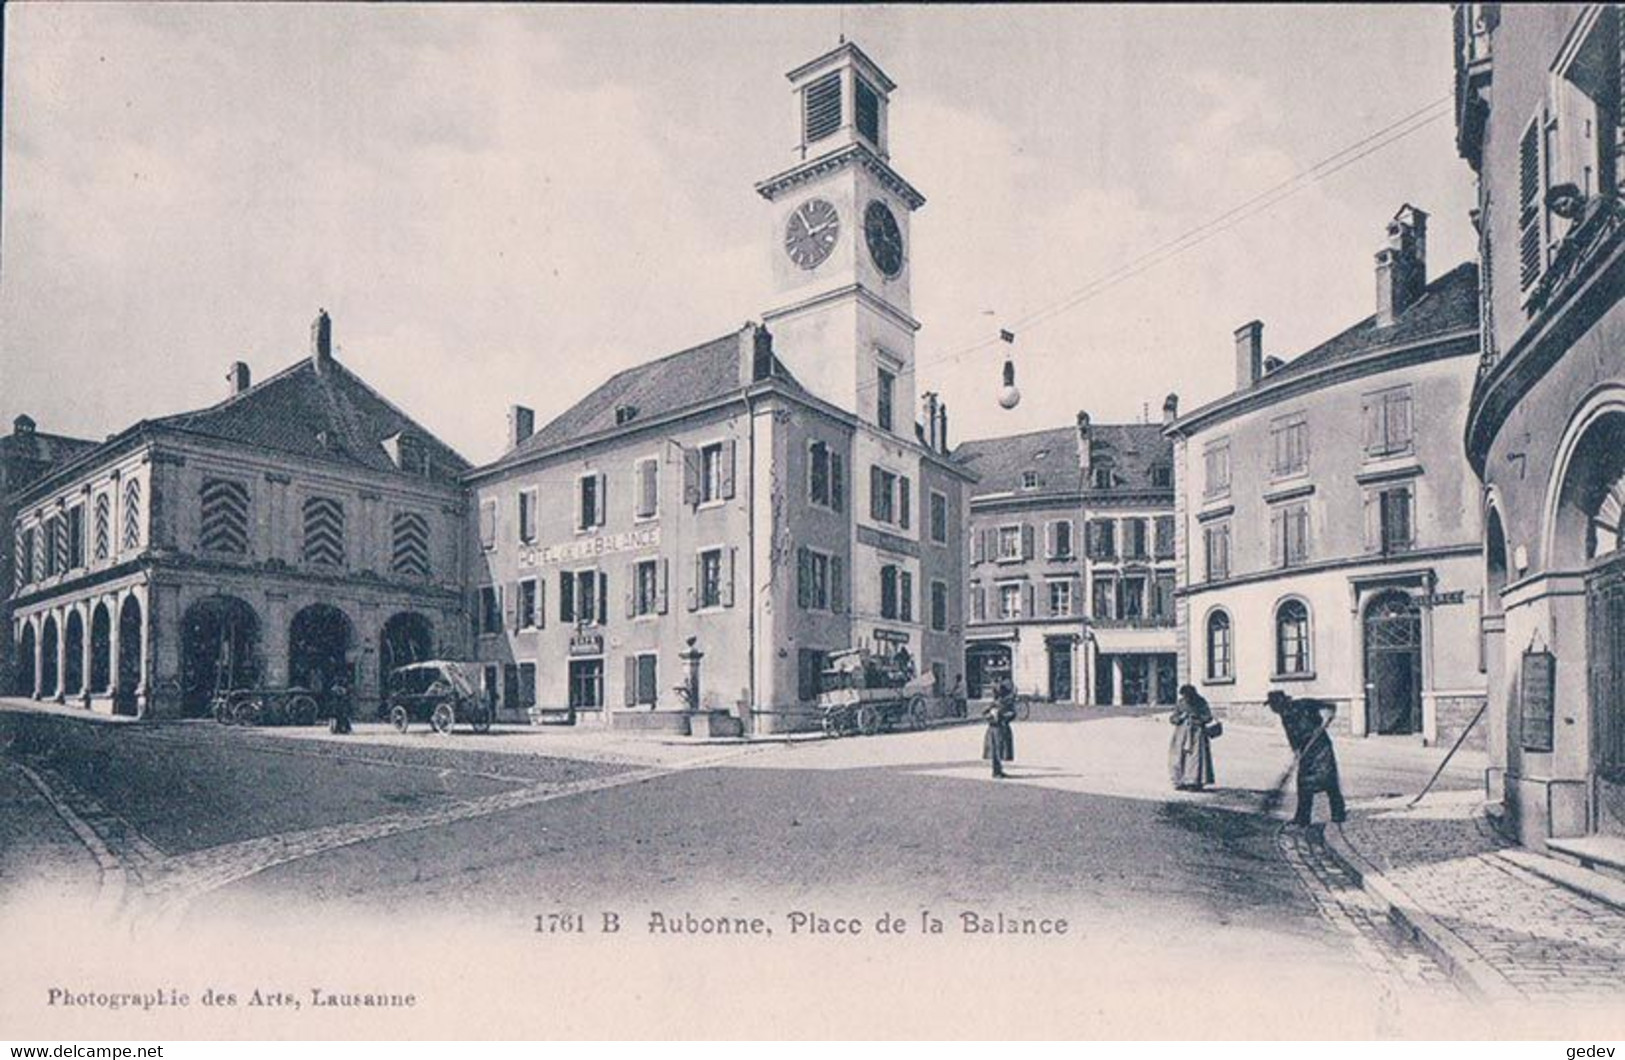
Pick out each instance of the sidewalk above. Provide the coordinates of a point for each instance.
(1503, 931)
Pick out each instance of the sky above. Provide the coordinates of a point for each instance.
(505, 205)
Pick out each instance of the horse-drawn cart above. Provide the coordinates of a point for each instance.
(863, 693)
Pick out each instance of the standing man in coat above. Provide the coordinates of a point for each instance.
(999, 745)
(1305, 722)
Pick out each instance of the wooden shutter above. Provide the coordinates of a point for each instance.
(1277, 534)
(876, 483)
(694, 587)
(978, 603)
(1028, 605)
(728, 464)
(648, 488)
(803, 578)
(905, 502)
(603, 598)
(631, 697)
(567, 596)
(728, 578)
(978, 547)
(510, 609)
(837, 584)
(1027, 541)
(1052, 539)
(631, 590)
(1399, 420)
(600, 506)
(905, 596)
(665, 580)
(541, 604)
(837, 481)
(1529, 206)
(691, 477)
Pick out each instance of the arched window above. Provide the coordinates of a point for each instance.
(1292, 638)
(1219, 653)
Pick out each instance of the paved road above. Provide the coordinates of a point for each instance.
(421, 836)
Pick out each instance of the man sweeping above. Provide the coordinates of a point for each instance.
(1305, 722)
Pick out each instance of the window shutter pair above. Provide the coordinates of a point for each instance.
(837, 585)
(1027, 543)
(728, 463)
(905, 502)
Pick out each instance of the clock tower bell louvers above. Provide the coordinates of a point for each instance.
(839, 245)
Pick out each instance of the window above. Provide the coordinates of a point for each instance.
(1029, 480)
(132, 514)
(1162, 476)
(648, 489)
(888, 592)
(885, 391)
(1165, 537)
(642, 680)
(590, 506)
(1060, 599)
(224, 524)
(324, 532)
(1162, 597)
(1218, 647)
(648, 588)
(1292, 638)
(490, 610)
(76, 537)
(821, 107)
(1102, 477)
(1131, 598)
(1388, 427)
(409, 545)
(1134, 539)
(1101, 604)
(809, 673)
(939, 606)
(812, 580)
(1009, 601)
(866, 109)
(1289, 535)
(1216, 469)
(1102, 539)
(818, 491)
(1059, 539)
(1009, 543)
(488, 524)
(710, 578)
(882, 487)
(1289, 446)
(519, 686)
(583, 595)
(939, 518)
(1390, 526)
(103, 535)
(527, 516)
(708, 473)
(1216, 549)
(586, 684)
(530, 604)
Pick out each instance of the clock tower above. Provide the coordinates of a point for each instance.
(840, 248)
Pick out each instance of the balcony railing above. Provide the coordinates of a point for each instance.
(1139, 622)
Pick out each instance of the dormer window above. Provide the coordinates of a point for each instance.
(625, 414)
(1162, 477)
(822, 107)
(1103, 478)
(1029, 480)
(866, 107)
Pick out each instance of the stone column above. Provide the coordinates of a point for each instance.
(39, 664)
(85, 642)
(1117, 680)
(274, 639)
(1361, 691)
(162, 655)
(115, 612)
(60, 694)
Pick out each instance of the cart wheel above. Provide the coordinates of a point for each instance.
(482, 720)
(399, 718)
(868, 720)
(916, 712)
(832, 723)
(302, 710)
(250, 712)
(1024, 708)
(443, 718)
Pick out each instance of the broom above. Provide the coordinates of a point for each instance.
(1274, 796)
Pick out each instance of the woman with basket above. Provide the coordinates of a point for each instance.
(1190, 753)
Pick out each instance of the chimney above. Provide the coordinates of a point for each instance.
(23, 426)
(942, 426)
(755, 353)
(1084, 459)
(1170, 409)
(238, 378)
(1249, 353)
(1402, 266)
(521, 424)
(932, 441)
(321, 341)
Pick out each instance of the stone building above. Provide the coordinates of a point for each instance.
(1539, 119)
(766, 497)
(303, 531)
(1329, 529)
(1071, 568)
(25, 455)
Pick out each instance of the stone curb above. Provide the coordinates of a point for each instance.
(1467, 968)
(1582, 881)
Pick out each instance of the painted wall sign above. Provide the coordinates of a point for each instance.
(585, 642)
(1537, 687)
(589, 548)
(1443, 599)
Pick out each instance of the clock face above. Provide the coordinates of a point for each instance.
(885, 239)
(811, 232)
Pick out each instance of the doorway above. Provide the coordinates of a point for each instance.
(985, 664)
(1605, 652)
(586, 684)
(1060, 669)
(1393, 665)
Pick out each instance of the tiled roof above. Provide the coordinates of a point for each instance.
(1448, 304)
(329, 415)
(49, 448)
(670, 384)
(1131, 448)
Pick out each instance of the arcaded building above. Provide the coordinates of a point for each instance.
(302, 532)
(1539, 119)
(1329, 524)
(1070, 577)
(765, 498)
